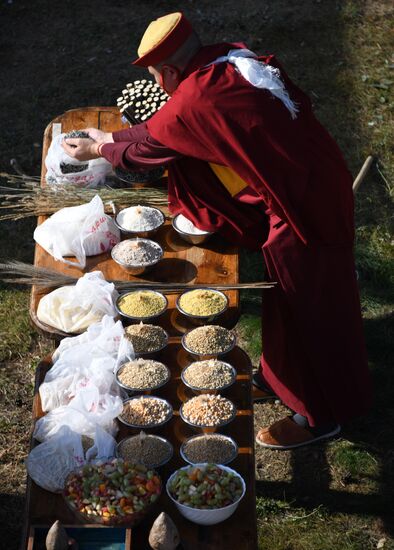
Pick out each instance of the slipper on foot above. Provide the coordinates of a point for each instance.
(287, 434)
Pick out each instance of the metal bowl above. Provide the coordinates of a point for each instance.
(201, 319)
(152, 353)
(136, 269)
(206, 355)
(194, 437)
(130, 389)
(140, 177)
(145, 233)
(134, 317)
(209, 390)
(190, 237)
(203, 426)
(152, 425)
(163, 439)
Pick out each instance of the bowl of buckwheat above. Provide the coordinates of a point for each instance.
(145, 412)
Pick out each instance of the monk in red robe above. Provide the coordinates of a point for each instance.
(246, 157)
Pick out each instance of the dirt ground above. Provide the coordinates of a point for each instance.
(57, 55)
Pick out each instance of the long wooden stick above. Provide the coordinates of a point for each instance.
(363, 172)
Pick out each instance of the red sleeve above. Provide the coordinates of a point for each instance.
(135, 147)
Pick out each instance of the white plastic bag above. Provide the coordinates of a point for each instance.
(103, 339)
(50, 463)
(103, 448)
(61, 390)
(74, 308)
(79, 231)
(82, 414)
(94, 172)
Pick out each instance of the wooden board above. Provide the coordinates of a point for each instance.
(215, 262)
(239, 531)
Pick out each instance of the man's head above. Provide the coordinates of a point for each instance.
(166, 48)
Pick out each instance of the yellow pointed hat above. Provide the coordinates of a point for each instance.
(162, 38)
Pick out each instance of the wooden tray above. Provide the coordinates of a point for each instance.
(239, 531)
(216, 262)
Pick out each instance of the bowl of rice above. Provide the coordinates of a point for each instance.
(188, 231)
(139, 221)
(202, 305)
(137, 256)
(142, 375)
(141, 305)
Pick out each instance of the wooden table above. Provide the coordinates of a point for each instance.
(217, 262)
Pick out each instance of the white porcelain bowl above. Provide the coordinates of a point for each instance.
(206, 517)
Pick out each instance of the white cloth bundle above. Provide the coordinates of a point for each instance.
(259, 75)
(74, 308)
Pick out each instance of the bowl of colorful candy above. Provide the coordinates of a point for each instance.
(112, 493)
(206, 493)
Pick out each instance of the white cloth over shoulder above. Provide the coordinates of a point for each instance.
(259, 74)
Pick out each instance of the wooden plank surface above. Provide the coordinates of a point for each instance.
(215, 262)
(239, 531)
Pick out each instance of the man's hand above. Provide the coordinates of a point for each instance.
(99, 136)
(81, 148)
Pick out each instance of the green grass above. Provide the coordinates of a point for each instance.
(295, 528)
(354, 460)
(15, 329)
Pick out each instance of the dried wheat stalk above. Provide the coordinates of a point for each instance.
(28, 274)
(27, 198)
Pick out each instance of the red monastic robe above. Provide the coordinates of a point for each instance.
(313, 346)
